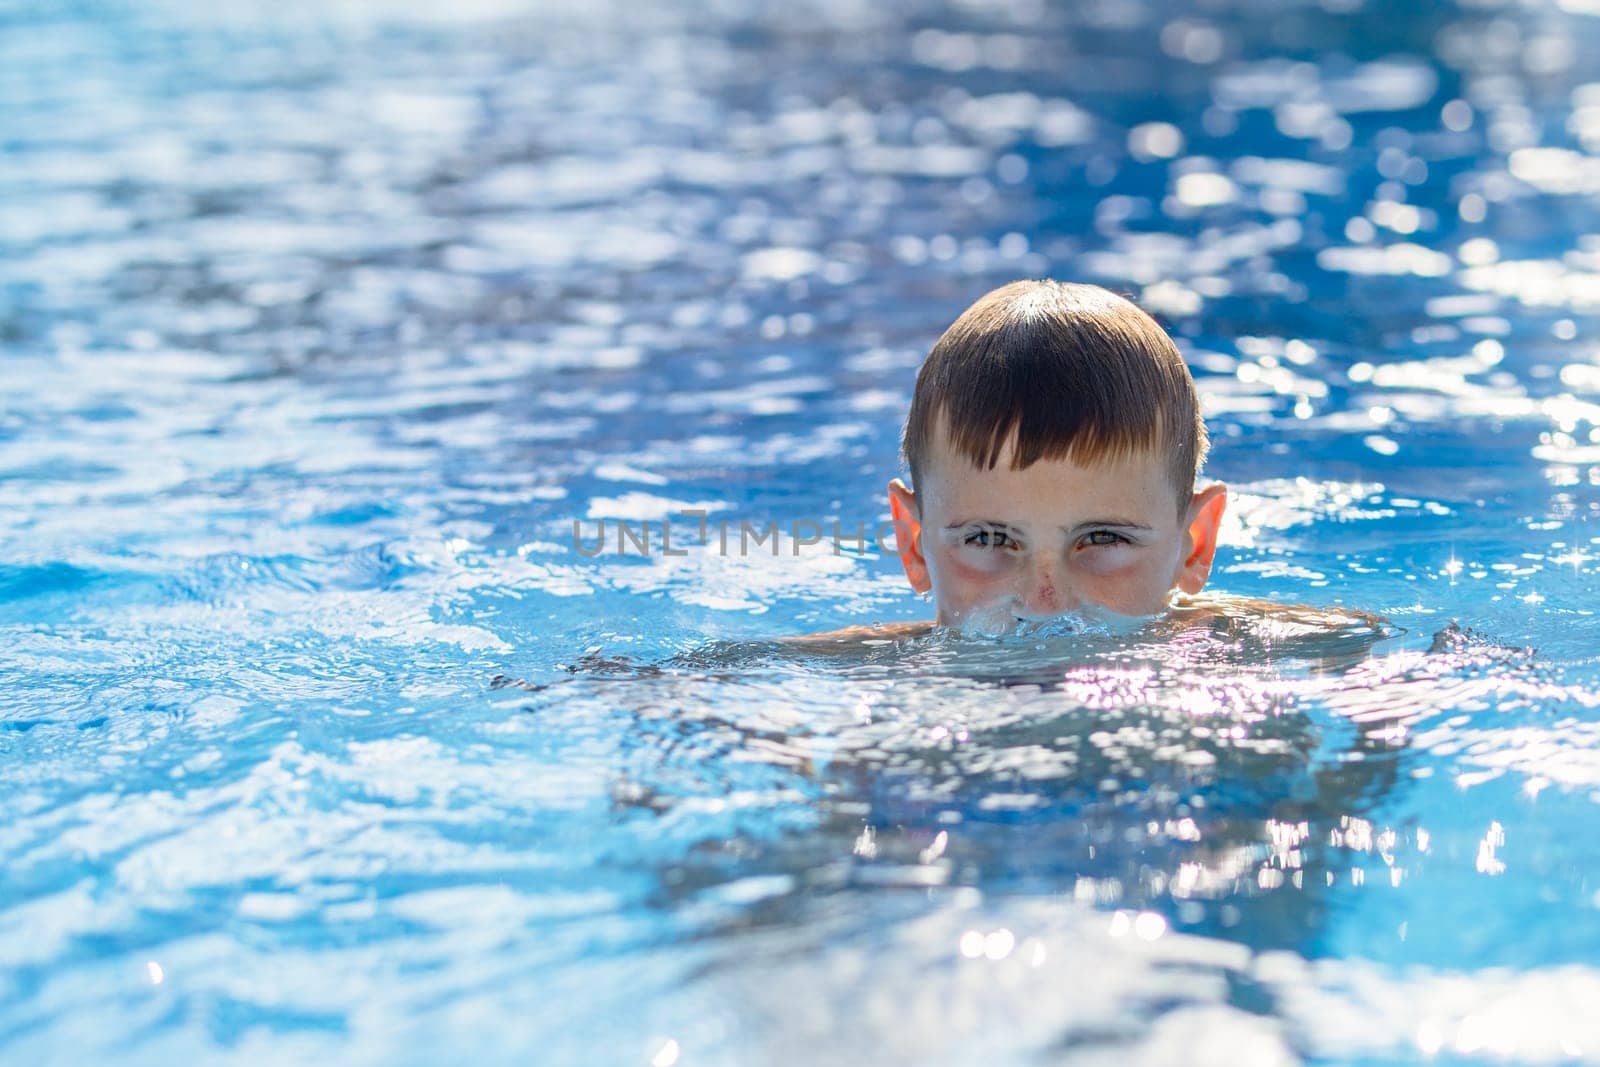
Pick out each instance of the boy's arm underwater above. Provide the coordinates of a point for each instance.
(874, 633)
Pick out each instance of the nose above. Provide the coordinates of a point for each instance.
(1046, 591)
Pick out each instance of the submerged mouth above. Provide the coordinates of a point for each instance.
(1091, 619)
(1003, 620)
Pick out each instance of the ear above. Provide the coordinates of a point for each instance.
(908, 534)
(1200, 543)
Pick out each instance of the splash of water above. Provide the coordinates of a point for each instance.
(1002, 620)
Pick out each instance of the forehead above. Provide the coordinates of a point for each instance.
(1136, 488)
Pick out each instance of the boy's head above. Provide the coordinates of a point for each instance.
(1054, 440)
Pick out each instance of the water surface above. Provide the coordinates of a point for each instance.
(321, 325)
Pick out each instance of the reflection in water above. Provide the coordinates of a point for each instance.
(877, 814)
(1194, 773)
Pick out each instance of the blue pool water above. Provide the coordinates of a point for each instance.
(321, 742)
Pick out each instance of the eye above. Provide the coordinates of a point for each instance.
(989, 537)
(1104, 537)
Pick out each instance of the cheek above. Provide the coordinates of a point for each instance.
(980, 564)
(963, 576)
(1119, 562)
(1127, 579)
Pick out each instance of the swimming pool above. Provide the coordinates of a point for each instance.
(321, 329)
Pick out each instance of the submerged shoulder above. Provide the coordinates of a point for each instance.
(1221, 608)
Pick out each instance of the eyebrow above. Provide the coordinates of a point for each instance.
(1124, 524)
(1121, 524)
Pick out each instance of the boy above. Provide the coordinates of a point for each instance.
(1054, 440)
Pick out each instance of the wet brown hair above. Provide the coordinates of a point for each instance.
(1069, 371)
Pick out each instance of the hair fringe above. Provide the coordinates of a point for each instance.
(1058, 371)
